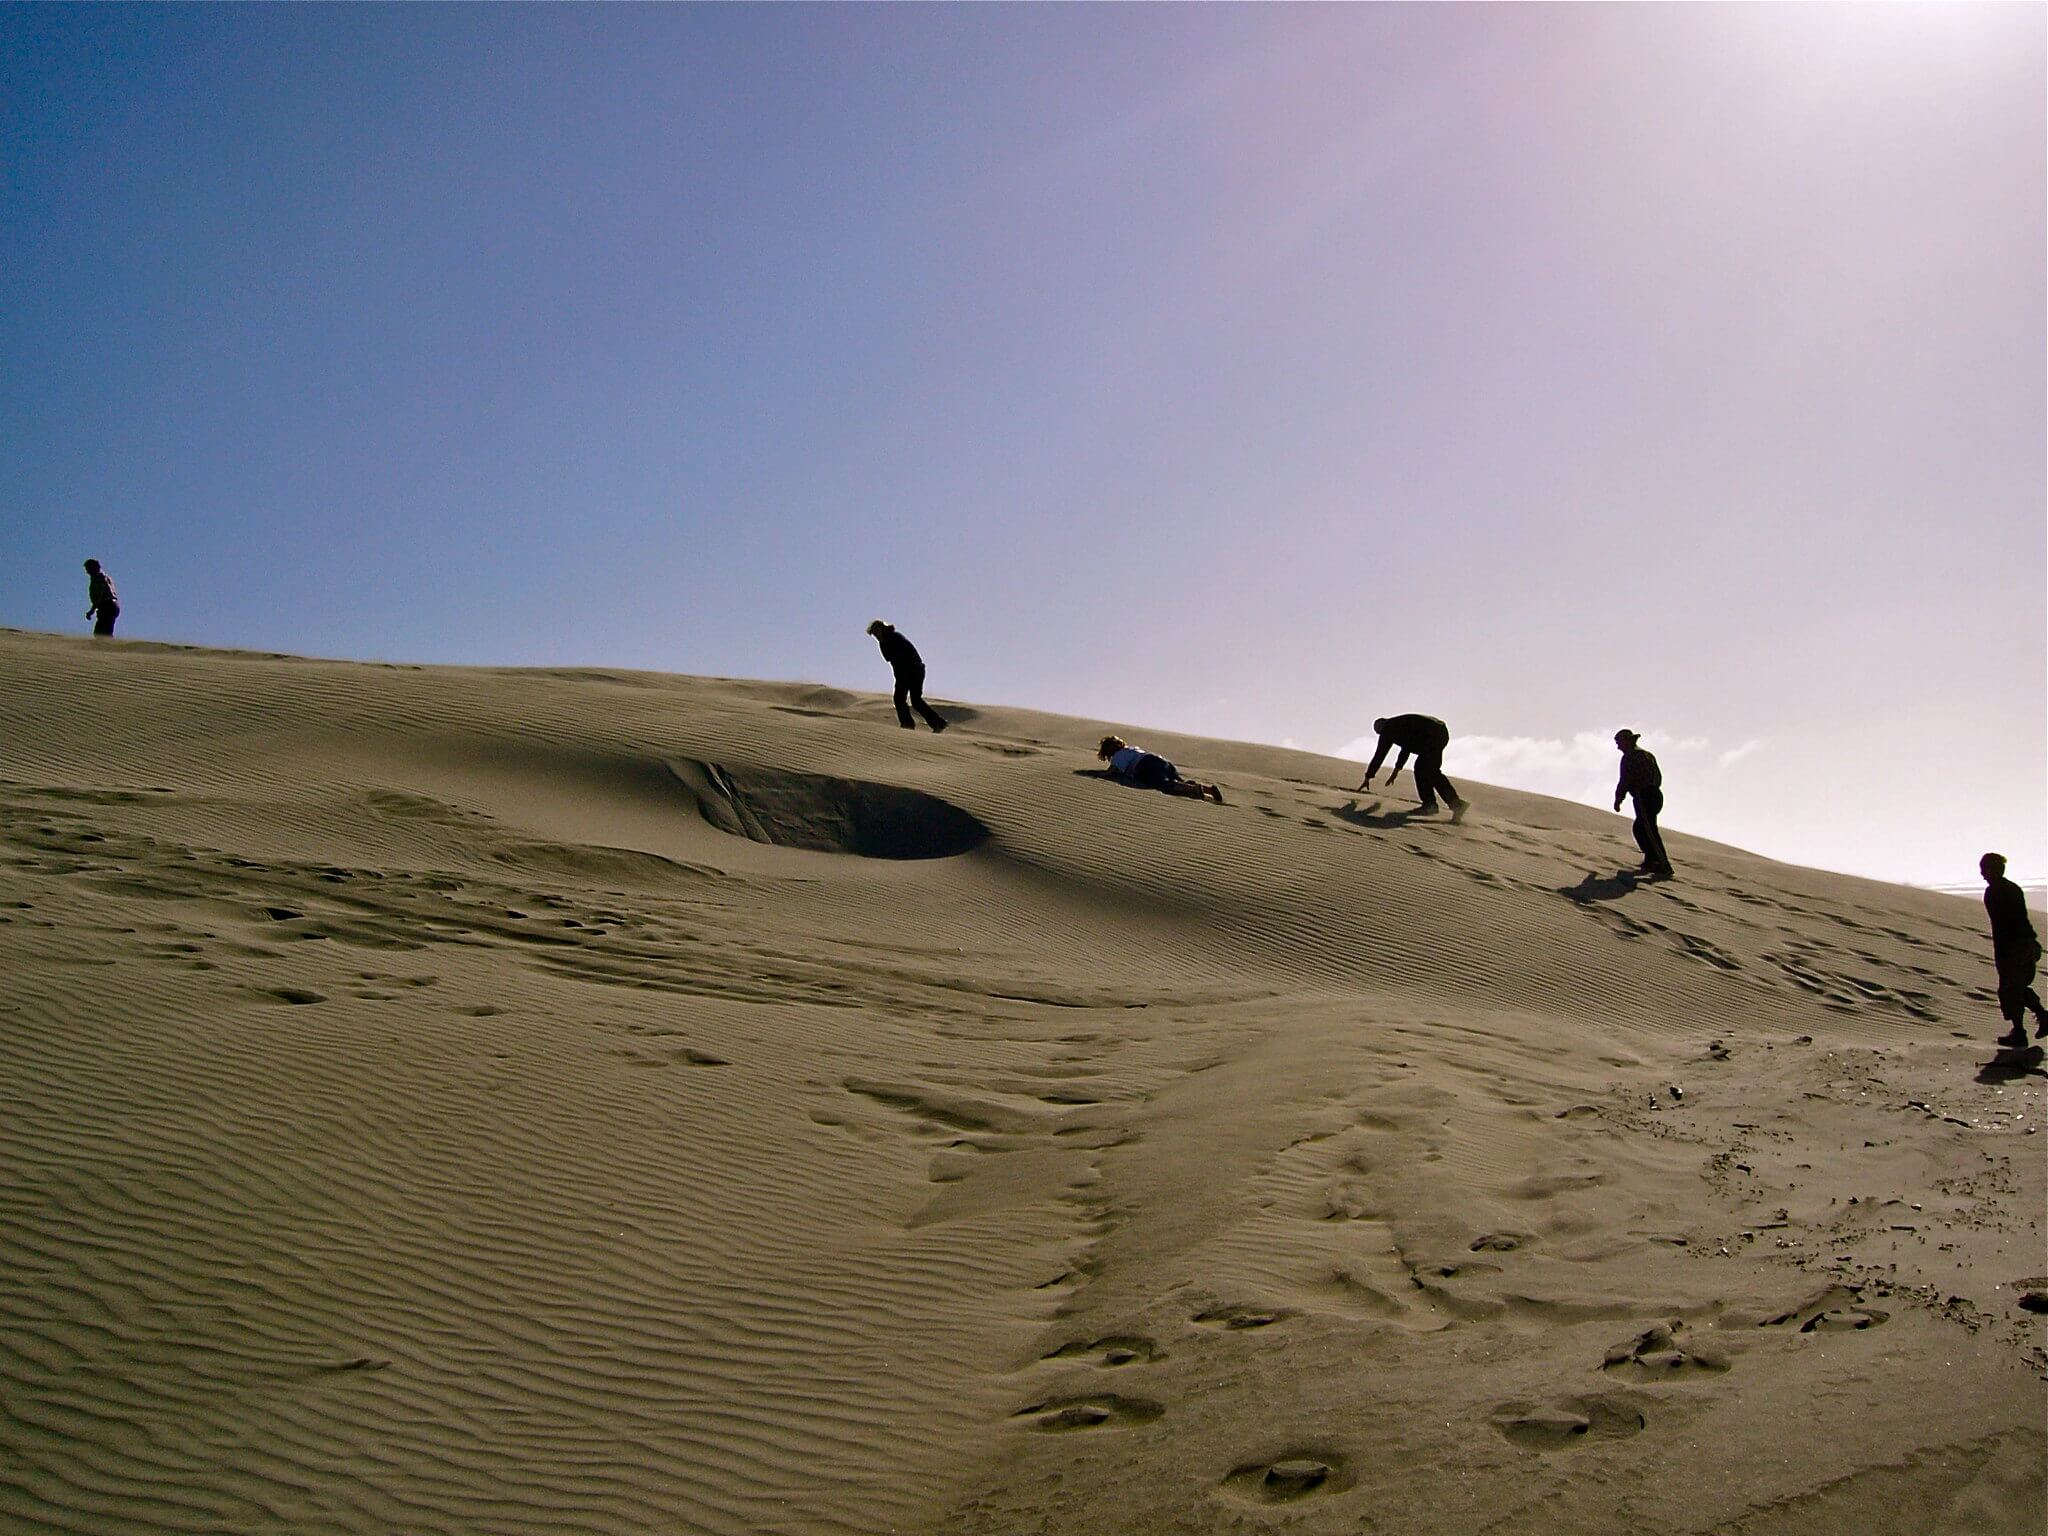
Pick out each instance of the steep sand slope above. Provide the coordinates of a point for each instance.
(505, 1101)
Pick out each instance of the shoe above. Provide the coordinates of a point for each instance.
(1216, 794)
(1427, 808)
(2041, 1027)
(1661, 872)
(2015, 1037)
(938, 726)
(1458, 811)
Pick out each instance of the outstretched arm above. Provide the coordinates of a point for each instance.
(1378, 757)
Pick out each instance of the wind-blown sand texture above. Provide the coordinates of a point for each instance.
(475, 1101)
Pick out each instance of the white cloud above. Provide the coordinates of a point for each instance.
(1736, 754)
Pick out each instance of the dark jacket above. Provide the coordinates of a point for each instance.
(900, 653)
(101, 589)
(2012, 931)
(1639, 773)
(1419, 734)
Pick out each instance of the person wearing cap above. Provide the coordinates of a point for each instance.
(1426, 737)
(1148, 770)
(2015, 949)
(909, 668)
(106, 607)
(1641, 777)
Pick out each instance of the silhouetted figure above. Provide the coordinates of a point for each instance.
(1641, 777)
(2016, 949)
(1426, 737)
(1148, 770)
(909, 668)
(106, 607)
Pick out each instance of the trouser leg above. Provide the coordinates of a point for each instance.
(1443, 786)
(1649, 839)
(909, 696)
(1429, 773)
(2016, 994)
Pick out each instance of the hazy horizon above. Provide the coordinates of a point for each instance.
(1243, 371)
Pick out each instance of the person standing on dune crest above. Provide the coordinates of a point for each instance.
(2015, 949)
(106, 607)
(909, 668)
(1641, 777)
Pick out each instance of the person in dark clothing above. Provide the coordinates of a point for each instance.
(105, 605)
(1426, 737)
(909, 667)
(2015, 948)
(1148, 770)
(1641, 777)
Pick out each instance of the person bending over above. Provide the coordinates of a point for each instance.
(2015, 949)
(909, 668)
(1148, 770)
(1426, 737)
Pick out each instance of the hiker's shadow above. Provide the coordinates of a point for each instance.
(1370, 815)
(1600, 888)
(2011, 1065)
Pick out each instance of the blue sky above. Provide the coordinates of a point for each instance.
(1245, 370)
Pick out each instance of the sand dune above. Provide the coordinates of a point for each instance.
(473, 1100)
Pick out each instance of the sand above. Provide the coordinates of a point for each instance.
(469, 1100)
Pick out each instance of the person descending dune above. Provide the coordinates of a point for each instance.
(1148, 770)
(2015, 949)
(1641, 778)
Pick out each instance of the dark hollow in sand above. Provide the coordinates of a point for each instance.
(829, 815)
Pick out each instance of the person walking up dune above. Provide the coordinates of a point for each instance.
(1641, 777)
(1148, 770)
(909, 668)
(106, 607)
(2015, 949)
(1426, 737)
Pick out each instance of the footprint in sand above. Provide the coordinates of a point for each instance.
(1664, 1351)
(1500, 1242)
(1556, 1426)
(1299, 1475)
(1242, 1317)
(1116, 1350)
(1101, 1411)
(1834, 1310)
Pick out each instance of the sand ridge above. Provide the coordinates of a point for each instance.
(495, 1100)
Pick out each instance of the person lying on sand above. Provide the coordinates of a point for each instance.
(2015, 948)
(1148, 770)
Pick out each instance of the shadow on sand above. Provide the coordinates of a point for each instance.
(1370, 815)
(2012, 1063)
(1598, 888)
